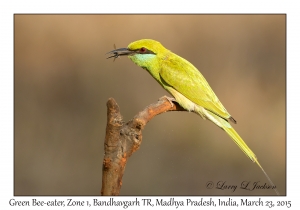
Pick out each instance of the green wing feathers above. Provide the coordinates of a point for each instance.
(186, 79)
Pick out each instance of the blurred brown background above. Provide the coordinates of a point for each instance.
(63, 80)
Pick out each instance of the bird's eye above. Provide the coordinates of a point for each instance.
(143, 49)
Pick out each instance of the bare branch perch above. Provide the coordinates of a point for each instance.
(123, 139)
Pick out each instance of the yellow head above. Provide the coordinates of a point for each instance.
(146, 53)
(146, 46)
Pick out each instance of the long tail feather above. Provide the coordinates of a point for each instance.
(243, 146)
(239, 141)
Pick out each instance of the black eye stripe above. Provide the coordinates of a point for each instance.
(144, 50)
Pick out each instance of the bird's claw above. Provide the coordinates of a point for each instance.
(171, 100)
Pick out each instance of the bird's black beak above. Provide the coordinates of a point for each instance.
(120, 52)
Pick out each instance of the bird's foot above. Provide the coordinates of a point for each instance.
(171, 100)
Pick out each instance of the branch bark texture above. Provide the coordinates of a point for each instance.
(123, 139)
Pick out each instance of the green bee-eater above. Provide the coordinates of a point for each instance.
(188, 86)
